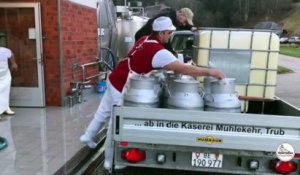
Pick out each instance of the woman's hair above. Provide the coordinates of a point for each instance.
(155, 32)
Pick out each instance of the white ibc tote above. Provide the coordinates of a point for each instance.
(249, 56)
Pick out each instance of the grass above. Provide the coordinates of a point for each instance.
(290, 51)
(283, 70)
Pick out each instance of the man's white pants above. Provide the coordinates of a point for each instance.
(103, 114)
(110, 98)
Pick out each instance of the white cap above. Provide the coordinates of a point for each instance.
(163, 23)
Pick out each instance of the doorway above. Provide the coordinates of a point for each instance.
(20, 31)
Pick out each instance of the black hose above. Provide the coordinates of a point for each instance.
(3, 143)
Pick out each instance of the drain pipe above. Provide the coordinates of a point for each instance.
(61, 60)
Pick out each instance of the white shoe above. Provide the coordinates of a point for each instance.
(119, 167)
(9, 112)
(88, 141)
(91, 132)
(107, 164)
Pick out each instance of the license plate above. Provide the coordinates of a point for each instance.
(207, 160)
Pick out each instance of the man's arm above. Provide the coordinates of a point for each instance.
(13, 62)
(187, 27)
(195, 71)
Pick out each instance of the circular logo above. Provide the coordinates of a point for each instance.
(285, 152)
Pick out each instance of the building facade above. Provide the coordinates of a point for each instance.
(48, 37)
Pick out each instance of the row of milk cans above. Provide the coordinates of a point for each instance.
(169, 90)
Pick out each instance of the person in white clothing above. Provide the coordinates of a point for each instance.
(147, 54)
(5, 79)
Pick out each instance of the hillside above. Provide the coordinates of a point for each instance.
(292, 23)
(289, 20)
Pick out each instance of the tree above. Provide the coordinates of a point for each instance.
(225, 13)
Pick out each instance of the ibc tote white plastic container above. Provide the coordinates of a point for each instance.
(250, 56)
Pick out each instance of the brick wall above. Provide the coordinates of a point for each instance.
(79, 37)
(79, 43)
(52, 77)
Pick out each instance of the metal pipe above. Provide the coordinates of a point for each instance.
(83, 68)
(83, 73)
(90, 64)
(254, 50)
(267, 63)
(236, 29)
(61, 62)
(94, 76)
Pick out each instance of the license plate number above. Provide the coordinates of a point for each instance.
(207, 160)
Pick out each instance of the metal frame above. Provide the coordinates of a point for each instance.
(78, 85)
(252, 50)
(99, 62)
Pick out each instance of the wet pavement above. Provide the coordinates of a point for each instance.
(42, 140)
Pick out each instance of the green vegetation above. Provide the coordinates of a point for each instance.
(232, 14)
(291, 51)
(291, 23)
(283, 70)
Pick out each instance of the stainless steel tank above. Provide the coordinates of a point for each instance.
(127, 27)
(106, 26)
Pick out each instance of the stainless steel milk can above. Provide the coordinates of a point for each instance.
(184, 93)
(222, 96)
(142, 91)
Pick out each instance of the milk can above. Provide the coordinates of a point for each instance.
(142, 91)
(207, 85)
(224, 86)
(160, 79)
(222, 96)
(185, 94)
(170, 76)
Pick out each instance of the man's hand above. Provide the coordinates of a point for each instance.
(14, 66)
(193, 29)
(194, 71)
(216, 73)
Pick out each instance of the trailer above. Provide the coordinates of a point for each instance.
(235, 143)
(263, 139)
